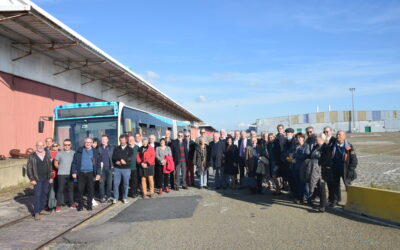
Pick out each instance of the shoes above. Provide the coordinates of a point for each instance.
(73, 206)
(114, 201)
(134, 196)
(321, 209)
(160, 191)
(89, 208)
(185, 187)
(206, 187)
(125, 201)
(176, 189)
(103, 200)
(37, 216)
(151, 195)
(296, 201)
(94, 202)
(217, 188)
(44, 212)
(58, 209)
(79, 208)
(333, 204)
(167, 190)
(200, 188)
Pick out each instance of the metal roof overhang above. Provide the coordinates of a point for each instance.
(34, 31)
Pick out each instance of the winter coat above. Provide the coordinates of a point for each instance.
(77, 162)
(249, 158)
(148, 156)
(349, 163)
(230, 159)
(32, 170)
(169, 165)
(200, 157)
(219, 156)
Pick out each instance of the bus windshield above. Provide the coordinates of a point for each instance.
(78, 130)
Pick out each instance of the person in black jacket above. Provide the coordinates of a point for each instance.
(287, 156)
(344, 163)
(40, 175)
(242, 144)
(230, 161)
(215, 155)
(121, 158)
(180, 154)
(191, 147)
(86, 166)
(106, 151)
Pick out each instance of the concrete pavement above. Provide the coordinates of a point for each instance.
(228, 220)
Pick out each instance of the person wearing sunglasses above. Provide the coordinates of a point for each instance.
(62, 162)
(311, 137)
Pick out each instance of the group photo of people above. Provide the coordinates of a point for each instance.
(285, 163)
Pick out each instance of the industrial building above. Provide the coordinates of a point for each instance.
(43, 63)
(364, 121)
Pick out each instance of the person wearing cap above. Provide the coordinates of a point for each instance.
(289, 148)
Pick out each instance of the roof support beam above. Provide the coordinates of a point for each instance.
(52, 48)
(79, 67)
(102, 79)
(12, 17)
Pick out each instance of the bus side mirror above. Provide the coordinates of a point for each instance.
(127, 125)
(41, 126)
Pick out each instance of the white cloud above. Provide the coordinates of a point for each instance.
(200, 98)
(243, 124)
(151, 75)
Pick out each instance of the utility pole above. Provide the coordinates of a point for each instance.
(352, 112)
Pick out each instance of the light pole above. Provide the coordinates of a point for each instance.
(352, 112)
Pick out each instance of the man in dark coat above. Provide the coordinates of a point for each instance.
(344, 163)
(39, 171)
(191, 147)
(215, 155)
(86, 166)
(180, 154)
(289, 147)
(106, 151)
(242, 144)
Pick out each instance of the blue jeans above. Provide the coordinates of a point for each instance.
(106, 177)
(124, 174)
(203, 178)
(40, 189)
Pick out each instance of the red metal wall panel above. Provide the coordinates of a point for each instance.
(22, 102)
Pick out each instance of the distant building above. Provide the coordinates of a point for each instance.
(365, 121)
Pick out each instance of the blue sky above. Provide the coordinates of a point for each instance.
(231, 62)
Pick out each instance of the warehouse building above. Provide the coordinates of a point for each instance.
(364, 121)
(43, 63)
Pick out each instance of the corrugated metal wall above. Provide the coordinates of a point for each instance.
(376, 115)
(320, 117)
(361, 116)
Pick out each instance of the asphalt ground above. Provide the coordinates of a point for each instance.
(227, 219)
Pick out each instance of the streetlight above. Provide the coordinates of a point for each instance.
(352, 113)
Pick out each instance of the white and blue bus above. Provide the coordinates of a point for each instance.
(93, 119)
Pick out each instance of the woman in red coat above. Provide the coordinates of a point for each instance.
(146, 160)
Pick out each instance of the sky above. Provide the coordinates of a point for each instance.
(231, 62)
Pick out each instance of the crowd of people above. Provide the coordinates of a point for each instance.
(300, 165)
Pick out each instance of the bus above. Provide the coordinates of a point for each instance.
(93, 119)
